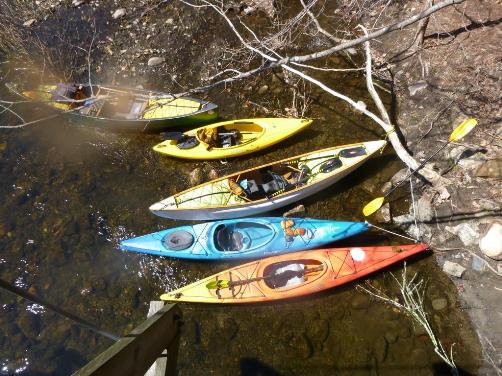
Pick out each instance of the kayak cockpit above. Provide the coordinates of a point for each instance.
(242, 236)
(234, 134)
(293, 273)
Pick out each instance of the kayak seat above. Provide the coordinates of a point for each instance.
(280, 279)
(275, 183)
(227, 138)
(136, 110)
(228, 240)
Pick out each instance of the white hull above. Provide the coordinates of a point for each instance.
(261, 206)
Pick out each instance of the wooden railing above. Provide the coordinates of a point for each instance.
(135, 353)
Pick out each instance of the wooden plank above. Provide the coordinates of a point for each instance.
(133, 354)
(159, 367)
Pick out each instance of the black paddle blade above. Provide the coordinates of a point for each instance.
(330, 165)
(356, 151)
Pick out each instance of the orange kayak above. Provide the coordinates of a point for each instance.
(292, 275)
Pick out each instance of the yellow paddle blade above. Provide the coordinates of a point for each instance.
(464, 128)
(373, 206)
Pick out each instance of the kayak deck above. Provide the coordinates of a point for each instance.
(231, 138)
(307, 272)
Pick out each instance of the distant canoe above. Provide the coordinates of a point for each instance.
(124, 109)
(243, 238)
(292, 275)
(266, 187)
(233, 138)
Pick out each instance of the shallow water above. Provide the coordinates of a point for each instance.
(70, 194)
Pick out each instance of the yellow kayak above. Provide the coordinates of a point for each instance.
(231, 138)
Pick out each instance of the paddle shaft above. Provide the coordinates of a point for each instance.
(418, 168)
(35, 299)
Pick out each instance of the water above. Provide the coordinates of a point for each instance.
(70, 193)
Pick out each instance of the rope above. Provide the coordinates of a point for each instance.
(387, 134)
(391, 232)
(414, 205)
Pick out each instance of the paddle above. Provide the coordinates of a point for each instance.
(463, 129)
(288, 274)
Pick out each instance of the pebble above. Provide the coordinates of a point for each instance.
(439, 304)
(153, 61)
(76, 3)
(169, 21)
(491, 242)
(29, 22)
(119, 13)
(417, 87)
(454, 269)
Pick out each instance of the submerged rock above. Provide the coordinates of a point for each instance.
(213, 174)
(439, 304)
(119, 13)
(491, 242)
(380, 349)
(195, 177)
(153, 61)
(263, 89)
(29, 22)
(360, 302)
(302, 345)
(454, 269)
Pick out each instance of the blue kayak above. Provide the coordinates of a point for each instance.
(243, 238)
